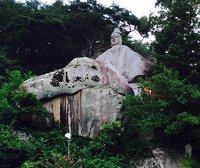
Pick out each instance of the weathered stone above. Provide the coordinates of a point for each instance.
(80, 96)
(188, 150)
(163, 158)
(87, 110)
(76, 76)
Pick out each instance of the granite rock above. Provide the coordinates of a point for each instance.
(84, 95)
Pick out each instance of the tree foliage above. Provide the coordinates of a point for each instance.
(47, 37)
(17, 106)
(172, 105)
(177, 37)
(170, 111)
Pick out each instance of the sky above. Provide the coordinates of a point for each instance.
(137, 7)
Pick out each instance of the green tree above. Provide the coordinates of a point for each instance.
(143, 49)
(177, 37)
(38, 40)
(17, 106)
(7, 64)
(8, 10)
(47, 37)
(93, 23)
(170, 111)
(13, 150)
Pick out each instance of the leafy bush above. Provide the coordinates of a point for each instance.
(48, 141)
(172, 108)
(13, 150)
(135, 148)
(109, 162)
(20, 106)
(8, 110)
(30, 111)
(58, 161)
(7, 65)
(189, 163)
(108, 141)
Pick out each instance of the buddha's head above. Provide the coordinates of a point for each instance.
(116, 38)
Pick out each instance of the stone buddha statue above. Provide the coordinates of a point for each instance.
(128, 63)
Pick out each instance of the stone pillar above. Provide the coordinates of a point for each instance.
(188, 150)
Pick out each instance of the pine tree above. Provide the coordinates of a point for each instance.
(177, 35)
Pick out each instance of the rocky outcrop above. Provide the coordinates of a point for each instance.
(79, 74)
(84, 95)
(162, 158)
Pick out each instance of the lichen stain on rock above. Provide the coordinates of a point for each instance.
(95, 78)
(55, 83)
(66, 78)
(78, 79)
(86, 77)
(57, 77)
(33, 85)
(63, 112)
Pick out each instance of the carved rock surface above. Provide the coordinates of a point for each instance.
(84, 95)
(127, 62)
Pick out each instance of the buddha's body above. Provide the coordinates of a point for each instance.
(128, 63)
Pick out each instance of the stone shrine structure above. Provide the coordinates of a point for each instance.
(188, 150)
(87, 93)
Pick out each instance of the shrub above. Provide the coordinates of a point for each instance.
(189, 163)
(110, 162)
(59, 161)
(20, 106)
(108, 141)
(13, 150)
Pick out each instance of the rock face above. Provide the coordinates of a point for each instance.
(84, 95)
(163, 158)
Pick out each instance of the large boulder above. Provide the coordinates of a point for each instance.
(84, 95)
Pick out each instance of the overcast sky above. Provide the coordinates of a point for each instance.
(137, 7)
